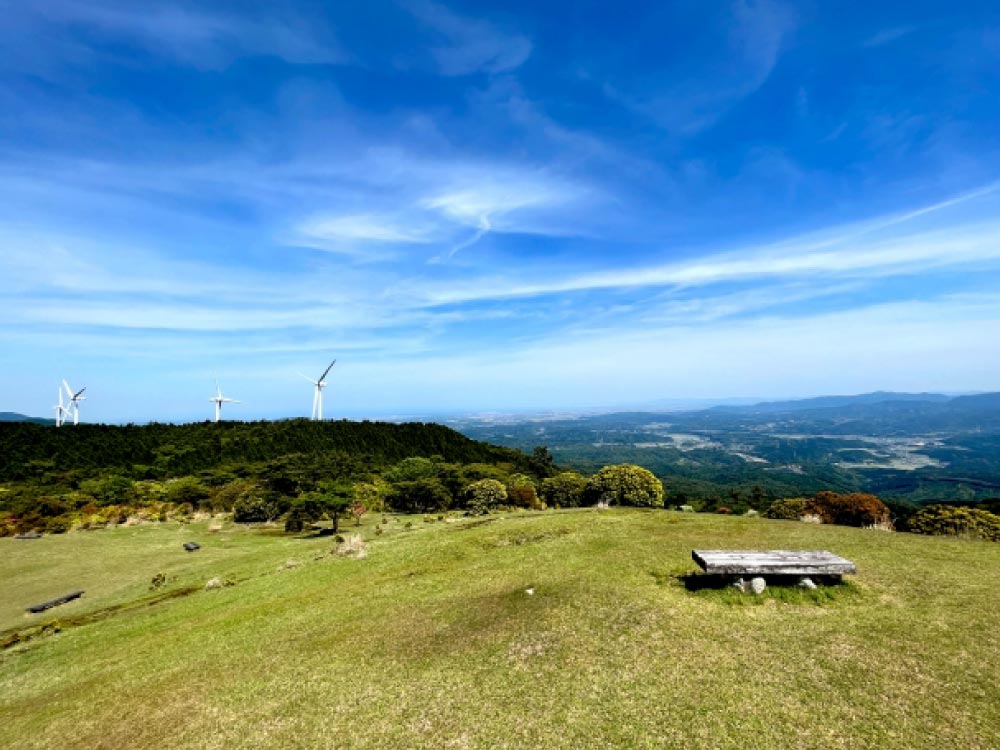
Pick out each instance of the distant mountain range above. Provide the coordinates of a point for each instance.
(940, 410)
(13, 416)
(829, 402)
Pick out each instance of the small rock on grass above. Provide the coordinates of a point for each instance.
(757, 585)
(807, 583)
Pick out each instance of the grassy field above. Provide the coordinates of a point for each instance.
(432, 640)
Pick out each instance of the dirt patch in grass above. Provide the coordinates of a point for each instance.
(526, 537)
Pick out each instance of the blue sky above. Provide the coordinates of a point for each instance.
(480, 206)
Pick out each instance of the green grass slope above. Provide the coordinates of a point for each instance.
(431, 641)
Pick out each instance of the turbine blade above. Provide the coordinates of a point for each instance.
(69, 390)
(307, 378)
(327, 370)
(80, 391)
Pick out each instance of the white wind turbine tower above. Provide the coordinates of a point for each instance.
(218, 399)
(74, 401)
(61, 409)
(317, 412)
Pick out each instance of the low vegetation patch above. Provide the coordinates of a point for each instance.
(954, 520)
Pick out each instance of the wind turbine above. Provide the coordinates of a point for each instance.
(219, 400)
(74, 401)
(60, 410)
(317, 412)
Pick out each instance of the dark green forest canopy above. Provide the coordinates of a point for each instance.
(164, 450)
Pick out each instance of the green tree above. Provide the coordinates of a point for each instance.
(113, 489)
(370, 495)
(564, 490)
(419, 496)
(186, 490)
(256, 504)
(626, 484)
(485, 495)
(411, 469)
(542, 461)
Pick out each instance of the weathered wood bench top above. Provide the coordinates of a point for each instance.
(773, 562)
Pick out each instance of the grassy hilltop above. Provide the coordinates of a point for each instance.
(432, 640)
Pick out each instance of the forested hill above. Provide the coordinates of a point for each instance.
(176, 450)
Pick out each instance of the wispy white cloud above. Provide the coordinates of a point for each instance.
(207, 39)
(858, 251)
(343, 233)
(449, 204)
(470, 45)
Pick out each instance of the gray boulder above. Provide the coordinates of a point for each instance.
(757, 585)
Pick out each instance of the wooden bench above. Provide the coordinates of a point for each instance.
(775, 562)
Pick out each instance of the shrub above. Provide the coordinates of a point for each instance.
(419, 496)
(789, 509)
(255, 507)
(58, 525)
(625, 484)
(955, 520)
(187, 491)
(855, 509)
(564, 490)
(521, 492)
(370, 495)
(109, 490)
(295, 521)
(226, 496)
(485, 495)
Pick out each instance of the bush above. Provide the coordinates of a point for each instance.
(419, 496)
(255, 507)
(58, 525)
(564, 490)
(187, 491)
(855, 509)
(226, 496)
(789, 509)
(955, 520)
(485, 495)
(109, 490)
(625, 484)
(521, 492)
